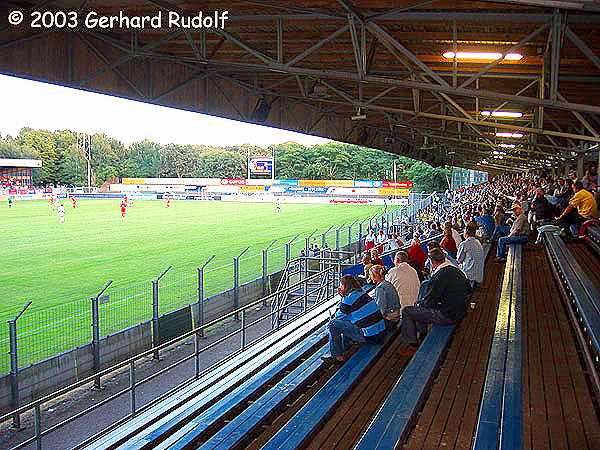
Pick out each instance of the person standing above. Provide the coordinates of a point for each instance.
(471, 258)
(60, 210)
(370, 240)
(123, 208)
(10, 201)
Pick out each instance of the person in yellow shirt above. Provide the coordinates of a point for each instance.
(581, 207)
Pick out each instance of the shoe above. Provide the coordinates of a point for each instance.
(408, 351)
(330, 360)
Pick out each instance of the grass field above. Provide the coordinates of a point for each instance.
(59, 266)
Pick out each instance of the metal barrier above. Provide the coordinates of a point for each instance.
(130, 363)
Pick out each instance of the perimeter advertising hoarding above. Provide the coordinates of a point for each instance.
(260, 167)
(387, 191)
(398, 184)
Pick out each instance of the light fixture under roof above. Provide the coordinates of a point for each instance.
(508, 134)
(484, 56)
(507, 145)
(512, 114)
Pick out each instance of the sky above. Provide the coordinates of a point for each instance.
(45, 106)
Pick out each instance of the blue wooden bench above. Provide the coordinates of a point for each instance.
(500, 421)
(393, 422)
(584, 297)
(300, 428)
(161, 437)
(592, 237)
(232, 434)
(225, 377)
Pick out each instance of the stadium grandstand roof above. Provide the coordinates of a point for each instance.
(21, 163)
(388, 74)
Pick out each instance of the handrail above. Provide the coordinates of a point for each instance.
(67, 389)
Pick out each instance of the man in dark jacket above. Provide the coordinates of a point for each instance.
(542, 209)
(444, 301)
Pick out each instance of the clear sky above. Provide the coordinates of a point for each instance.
(33, 104)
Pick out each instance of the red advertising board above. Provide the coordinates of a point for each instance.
(398, 184)
(233, 181)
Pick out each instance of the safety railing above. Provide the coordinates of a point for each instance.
(130, 364)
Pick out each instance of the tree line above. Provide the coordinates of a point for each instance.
(64, 162)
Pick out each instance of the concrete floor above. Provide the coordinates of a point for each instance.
(79, 430)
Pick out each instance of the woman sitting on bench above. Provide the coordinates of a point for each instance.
(357, 319)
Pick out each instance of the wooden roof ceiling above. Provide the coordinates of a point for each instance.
(314, 65)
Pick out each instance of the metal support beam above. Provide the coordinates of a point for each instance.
(317, 46)
(512, 49)
(555, 54)
(583, 47)
(280, 41)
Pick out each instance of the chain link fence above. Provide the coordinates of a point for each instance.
(45, 333)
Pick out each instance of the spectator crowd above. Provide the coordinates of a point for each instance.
(435, 274)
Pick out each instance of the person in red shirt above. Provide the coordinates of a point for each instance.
(448, 243)
(123, 207)
(375, 258)
(417, 255)
(74, 202)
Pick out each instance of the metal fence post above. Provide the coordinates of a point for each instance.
(265, 270)
(96, 333)
(14, 365)
(155, 312)
(155, 317)
(200, 271)
(243, 337)
(236, 282)
(288, 248)
(337, 238)
(359, 238)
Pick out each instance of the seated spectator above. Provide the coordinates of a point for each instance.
(392, 243)
(435, 244)
(367, 264)
(380, 241)
(357, 319)
(386, 297)
(370, 240)
(517, 234)
(444, 301)
(405, 279)
(541, 209)
(375, 258)
(486, 222)
(417, 255)
(470, 257)
(582, 207)
(448, 243)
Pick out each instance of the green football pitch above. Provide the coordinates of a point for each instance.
(59, 266)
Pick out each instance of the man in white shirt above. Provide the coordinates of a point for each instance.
(470, 257)
(405, 279)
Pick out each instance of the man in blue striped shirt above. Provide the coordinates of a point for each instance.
(357, 319)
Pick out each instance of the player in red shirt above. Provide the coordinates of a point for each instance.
(123, 207)
(74, 202)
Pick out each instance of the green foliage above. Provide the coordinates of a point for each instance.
(64, 163)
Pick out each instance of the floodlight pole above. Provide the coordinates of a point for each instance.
(155, 332)
(14, 365)
(200, 272)
(236, 282)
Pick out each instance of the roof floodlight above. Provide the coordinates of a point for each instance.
(490, 56)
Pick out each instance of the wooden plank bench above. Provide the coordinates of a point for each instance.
(249, 360)
(592, 237)
(303, 424)
(500, 421)
(394, 420)
(232, 434)
(392, 423)
(213, 412)
(581, 291)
